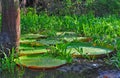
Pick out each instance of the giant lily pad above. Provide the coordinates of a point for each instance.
(66, 34)
(31, 43)
(39, 62)
(27, 40)
(33, 51)
(74, 38)
(32, 36)
(87, 49)
(28, 49)
(49, 41)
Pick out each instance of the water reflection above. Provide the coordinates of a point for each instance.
(28, 73)
(74, 70)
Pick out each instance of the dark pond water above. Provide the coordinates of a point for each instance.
(78, 69)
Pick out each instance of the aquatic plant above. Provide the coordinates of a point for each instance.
(60, 50)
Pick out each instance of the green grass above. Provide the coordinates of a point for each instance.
(7, 63)
(115, 60)
(60, 51)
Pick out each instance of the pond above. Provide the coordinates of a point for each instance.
(80, 68)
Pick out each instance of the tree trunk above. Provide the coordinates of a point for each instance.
(11, 23)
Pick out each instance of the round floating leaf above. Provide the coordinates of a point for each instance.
(26, 50)
(72, 36)
(27, 40)
(49, 41)
(31, 43)
(83, 49)
(39, 62)
(32, 36)
(29, 47)
(66, 34)
(32, 51)
(77, 39)
(89, 50)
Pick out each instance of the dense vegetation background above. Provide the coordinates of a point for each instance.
(78, 7)
(72, 15)
(99, 19)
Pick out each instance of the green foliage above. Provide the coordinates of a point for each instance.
(117, 43)
(105, 7)
(7, 63)
(60, 51)
(29, 21)
(80, 51)
(79, 7)
(115, 59)
(85, 25)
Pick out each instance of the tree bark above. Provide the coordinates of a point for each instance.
(11, 23)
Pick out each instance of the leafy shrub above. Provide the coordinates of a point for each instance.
(104, 7)
(79, 7)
